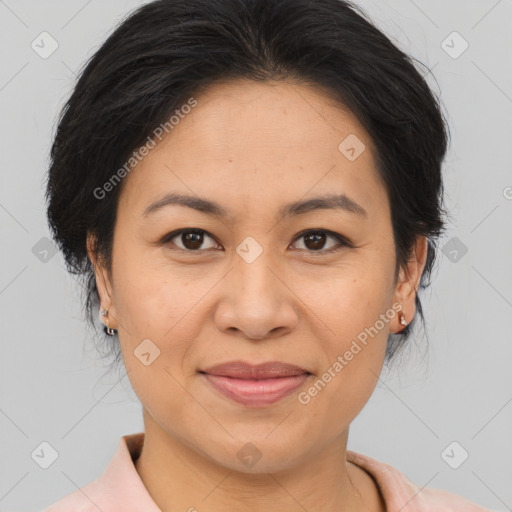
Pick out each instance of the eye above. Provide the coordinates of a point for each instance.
(191, 239)
(315, 241)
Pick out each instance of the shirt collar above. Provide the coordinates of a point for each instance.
(122, 481)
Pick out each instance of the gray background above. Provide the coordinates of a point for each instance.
(455, 386)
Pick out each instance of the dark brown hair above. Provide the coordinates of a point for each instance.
(169, 50)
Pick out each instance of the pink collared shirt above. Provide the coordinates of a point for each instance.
(120, 488)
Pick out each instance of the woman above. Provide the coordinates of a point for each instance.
(252, 190)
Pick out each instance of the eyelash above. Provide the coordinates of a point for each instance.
(343, 242)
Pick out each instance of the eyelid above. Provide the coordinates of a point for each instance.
(166, 239)
(342, 240)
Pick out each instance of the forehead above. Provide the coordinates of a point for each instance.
(250, 143)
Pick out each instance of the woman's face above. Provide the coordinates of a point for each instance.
(251, 286)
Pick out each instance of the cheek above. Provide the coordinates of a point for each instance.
(353, 298)
(357, 309)
(354, 359)
(158, 310)
(150, 299)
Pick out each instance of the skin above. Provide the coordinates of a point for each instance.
(253, 147)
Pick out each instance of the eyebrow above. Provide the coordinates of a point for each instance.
(327, 202)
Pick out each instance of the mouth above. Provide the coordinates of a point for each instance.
(255, 385)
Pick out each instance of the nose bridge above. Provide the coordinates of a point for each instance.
(254, 281)
(255, 301)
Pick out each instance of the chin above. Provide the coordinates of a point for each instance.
(258, 455)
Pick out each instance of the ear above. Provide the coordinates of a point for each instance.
(103, 282)
(408, 282)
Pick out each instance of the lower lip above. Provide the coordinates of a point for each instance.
(256, 393)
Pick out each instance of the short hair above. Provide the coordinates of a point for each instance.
(169, 50)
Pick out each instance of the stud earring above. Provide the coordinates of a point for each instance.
(402, 319)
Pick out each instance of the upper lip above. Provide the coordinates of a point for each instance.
(243, 370)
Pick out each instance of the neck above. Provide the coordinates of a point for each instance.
(179, 477)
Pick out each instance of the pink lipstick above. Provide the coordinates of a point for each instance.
(255, 385)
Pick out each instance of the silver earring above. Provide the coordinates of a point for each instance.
(107, 329)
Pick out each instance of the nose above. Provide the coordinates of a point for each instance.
(257, 301)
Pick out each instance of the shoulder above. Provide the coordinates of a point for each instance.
(84, 499)
(400, 494)
(118, 488)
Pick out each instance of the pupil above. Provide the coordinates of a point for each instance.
(317, 238)
(193, 238)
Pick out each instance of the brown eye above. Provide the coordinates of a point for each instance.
(193, 240)
(190, 239)
(314, 241)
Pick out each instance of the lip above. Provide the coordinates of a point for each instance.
(243, 370)
(255, 385)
